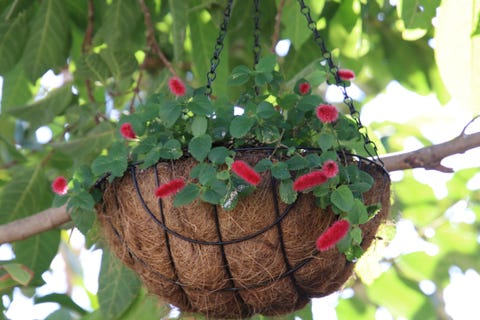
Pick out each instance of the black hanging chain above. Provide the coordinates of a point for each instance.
(327, 56)
(215, 60)
(257, 49)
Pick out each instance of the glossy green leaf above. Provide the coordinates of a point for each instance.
(240, 126)
(186, 195)
(199, 126)
(19, 273)
(45, 110)
(48, 42)
(13, 36)
(118, 286)
(342, 197)
(287, 194)
(200, 146)
(37, 253)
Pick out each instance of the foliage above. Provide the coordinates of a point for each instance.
(107, 66)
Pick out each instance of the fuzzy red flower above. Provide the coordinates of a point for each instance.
(304, 88)
(333, 235)
(346, 74)
(309, 180)
(60, 185)
(177, 87)
(170, 188)
(327, 113)
(244, 171)
(330, 168)
(127, 131)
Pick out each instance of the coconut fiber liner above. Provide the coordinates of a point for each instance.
(258, 258)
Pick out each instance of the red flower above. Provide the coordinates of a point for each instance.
(244, 171)
(346, 74)
(170, 188)
(333, 235)
(127, 131)
(330, 168)
(309, 180)
(327, 113)
(177, 87)
(304, 88)
(60, 185)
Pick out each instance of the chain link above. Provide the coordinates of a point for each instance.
(257, 49)
(347, 100)
(215, 60)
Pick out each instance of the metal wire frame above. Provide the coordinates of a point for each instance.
(361, 162)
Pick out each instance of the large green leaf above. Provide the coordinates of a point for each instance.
(48, 42)
(118, 24)
(120, 63)
(295, 25)
(118, 287)
(43, 111)
(417, 17)
(88, 146)
(17, 89)
(27, 192)
(37, 253)
(13, 36)
(92, 66)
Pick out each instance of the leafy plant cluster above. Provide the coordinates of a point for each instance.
(281, 119)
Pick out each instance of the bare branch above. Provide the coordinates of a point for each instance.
(40, 222)
(428, 158)
(431, 157)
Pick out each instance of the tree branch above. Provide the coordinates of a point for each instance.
(40, 222)
(428, 158)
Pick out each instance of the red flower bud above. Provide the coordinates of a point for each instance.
(177, 87)
(170, 188)
(60, 185)
(126, 131)
(309, 180)
(244, 171)
(327, 113)
(346, 74)
(304, 88)
(333, 235)
(330, 168)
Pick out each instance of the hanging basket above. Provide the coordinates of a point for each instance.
(258, 258)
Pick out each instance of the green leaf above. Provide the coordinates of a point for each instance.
(45, 110)
(207, 174)
(309, 102)
(342, 197)
(358, 213)
(26, 193)
(200, 146)
(297, 162)
(19, 273)
(263, 165)
(48, 42)
(171, 150)
(151, 157)
(92, 66)
(37, 253)
(297, 30)
(240, 75)
(417, 14)
(170, 112)
(356, 234)
(266, 64)
(17, 89)
(240, 126)
(218, 155)
(201, 105)
(120, 63)
(86, 147)
(81, 200)
(326, 141)
(118, 286)
(280, 171)
(265, 110)
(186, 195)
(119, 24)
(13, 36)
(115, 162)
(199, 126)
(287, 194)
(83, 219)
